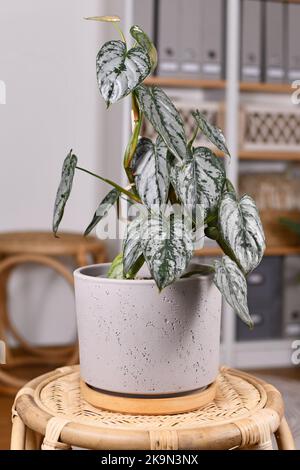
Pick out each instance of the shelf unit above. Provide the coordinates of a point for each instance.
(255, 353)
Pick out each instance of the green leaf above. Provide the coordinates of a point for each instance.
(120, 71)
(149, 167)
(103, 209)
(64, 189)
(145, 42)
(116, 268)
(199, 181)
(164, 117)
(199, 270)
(241, 229)
(232, 284)
(167, 245)
(214, 134)
(132, 248)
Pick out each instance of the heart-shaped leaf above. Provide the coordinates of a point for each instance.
(103, 209)
(64, 189)
(145, 42)
(164, 117)
(149, 167)
(213, 134)
(132, 248)
(167, 244)
(232, 284)
(120, 71)
(199, 181)
(241, 229)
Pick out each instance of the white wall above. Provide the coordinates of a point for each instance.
(47, 60)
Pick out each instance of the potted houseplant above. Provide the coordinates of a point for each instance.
(149, 323)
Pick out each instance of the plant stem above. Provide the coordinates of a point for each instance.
(116, 26)
(115, 185)
(137, 118)
(193, 137)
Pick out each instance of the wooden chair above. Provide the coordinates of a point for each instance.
(41, 248)
(50, 413)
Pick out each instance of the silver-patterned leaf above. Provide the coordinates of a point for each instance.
(164, 117)
(241, 229)
(145, 42)
(232, 284)
(103, 209)
(116, 268)
(120, 71)
(167, 244)
(64, 189)
(132, 248)
(199, 181)
(149, 167)
(213, 134)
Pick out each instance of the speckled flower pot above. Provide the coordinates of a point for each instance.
(135, 340)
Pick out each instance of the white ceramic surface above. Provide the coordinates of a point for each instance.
(135, 340)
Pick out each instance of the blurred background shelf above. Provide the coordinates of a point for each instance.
(174, 82)
(270, 251)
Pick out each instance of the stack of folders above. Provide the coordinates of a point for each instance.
(190, 36)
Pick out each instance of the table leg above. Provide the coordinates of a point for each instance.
(30, 440)
(18, 434)
(284, 437)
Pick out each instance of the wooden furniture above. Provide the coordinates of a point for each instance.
(245, 413)
(41, 248)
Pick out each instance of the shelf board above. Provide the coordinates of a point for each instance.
(270, 251)
(265, 87)
(173, 82)
(269, 155)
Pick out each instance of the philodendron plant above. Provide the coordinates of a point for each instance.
(181, 189)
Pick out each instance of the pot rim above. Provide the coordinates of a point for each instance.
(78, 274)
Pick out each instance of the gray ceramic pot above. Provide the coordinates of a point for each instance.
(135, 340)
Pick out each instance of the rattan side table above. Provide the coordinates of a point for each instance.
(18, 248)
(50, 413)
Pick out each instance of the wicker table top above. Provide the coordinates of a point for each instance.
(244, 412)
(46, 243)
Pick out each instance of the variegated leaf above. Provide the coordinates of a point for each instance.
(145, 42)
(199, 181)
(149, 167)
(232, 284)
(120, 71)
(213, 134)
(164, 117)
(64, 189)
(241, 229)
(103, 209)
(132, 248)
(116, 268)
(167, 246)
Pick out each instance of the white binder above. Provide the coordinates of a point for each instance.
(191, 44)
(293, 40)
(212, 38)
(169, 37)
(274, 30)
(251, 35)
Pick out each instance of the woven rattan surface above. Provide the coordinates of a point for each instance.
(245, 413)
(236, 398)
(46, 243)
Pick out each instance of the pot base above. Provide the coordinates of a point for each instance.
(136, 405)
